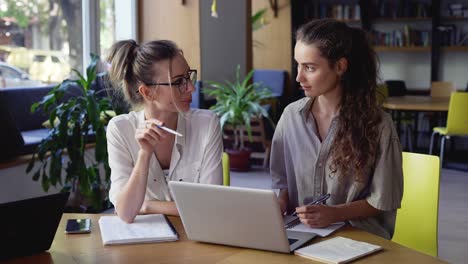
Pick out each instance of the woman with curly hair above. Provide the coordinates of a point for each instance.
(337, 140)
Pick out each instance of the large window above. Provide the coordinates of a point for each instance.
(43, 39)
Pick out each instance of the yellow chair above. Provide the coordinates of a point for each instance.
(416, 220)
(382, 93)
(457, 122)
(442, 89)
(226, 172)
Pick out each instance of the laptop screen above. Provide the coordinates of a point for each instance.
(29, 226)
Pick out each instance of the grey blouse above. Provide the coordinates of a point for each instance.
(300, 163)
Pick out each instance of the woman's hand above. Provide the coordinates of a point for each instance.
(317, 216)
(150, 135)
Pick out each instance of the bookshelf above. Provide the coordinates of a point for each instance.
(418, 49)
(419, 32)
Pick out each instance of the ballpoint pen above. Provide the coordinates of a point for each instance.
(170, 131)
(319, 200)
(165, 129)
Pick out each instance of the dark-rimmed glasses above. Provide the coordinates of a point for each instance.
(181, 83)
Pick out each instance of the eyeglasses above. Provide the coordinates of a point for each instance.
(181, 83)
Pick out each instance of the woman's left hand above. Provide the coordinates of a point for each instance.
(317, 216)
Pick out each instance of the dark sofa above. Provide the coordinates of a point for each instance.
(22, 131)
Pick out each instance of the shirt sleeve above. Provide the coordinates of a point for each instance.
(120, 161)
(277, 158)
(386, 188)
(212, 167)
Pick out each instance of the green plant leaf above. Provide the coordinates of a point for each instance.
(77, 116)
(45, 182)
(36, 175)
(238, 100)
(31, 163)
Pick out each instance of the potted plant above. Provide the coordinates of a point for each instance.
(237, 103)
(75, 122)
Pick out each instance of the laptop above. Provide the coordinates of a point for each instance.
(234, 216)
(29, 226)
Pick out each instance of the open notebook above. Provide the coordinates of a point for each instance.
(293, 223)
(144, 229)
(337, 250)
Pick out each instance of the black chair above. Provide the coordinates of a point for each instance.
(396, 87)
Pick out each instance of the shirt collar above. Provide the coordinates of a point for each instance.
(303, 107)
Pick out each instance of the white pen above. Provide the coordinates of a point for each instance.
(170, 131)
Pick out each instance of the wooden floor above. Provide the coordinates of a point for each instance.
(453, 209)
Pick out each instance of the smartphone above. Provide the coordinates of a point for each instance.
(78, 226)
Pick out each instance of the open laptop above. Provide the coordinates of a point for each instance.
(234, 216)
(29, 226)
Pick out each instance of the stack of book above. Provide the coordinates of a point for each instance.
(401, 38)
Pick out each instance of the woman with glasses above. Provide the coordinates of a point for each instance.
(337, 140)
(165, 140)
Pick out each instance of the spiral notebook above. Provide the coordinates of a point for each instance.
(144, 229)
(337, 250)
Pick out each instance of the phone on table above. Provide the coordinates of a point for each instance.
(78, 226)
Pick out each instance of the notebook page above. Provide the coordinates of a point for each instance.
(337, 250)
(144, 229)
(323, 232)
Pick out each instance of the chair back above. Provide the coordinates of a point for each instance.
(226, 171)
(396, 87)
(416, 220)
(442, 89)
(197, 96)
(273, 79)
(382, 93)
(457, 117)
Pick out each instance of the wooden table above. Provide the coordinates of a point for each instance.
(88, 248)
(417, 103)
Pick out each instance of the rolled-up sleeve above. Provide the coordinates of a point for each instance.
(277, 158)
(212, 167)
(120, 161)
(386, 188)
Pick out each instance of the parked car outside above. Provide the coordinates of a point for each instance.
(49, 67)
(15, 77)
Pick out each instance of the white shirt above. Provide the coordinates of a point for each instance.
(196, 157)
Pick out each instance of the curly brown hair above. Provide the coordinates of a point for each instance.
(355, 144)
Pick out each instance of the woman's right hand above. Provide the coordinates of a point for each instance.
(150, 135)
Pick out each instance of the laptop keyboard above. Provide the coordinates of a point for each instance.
(292, 241)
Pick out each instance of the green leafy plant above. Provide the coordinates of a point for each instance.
(258, 19)
(74, 123)
(237, 103)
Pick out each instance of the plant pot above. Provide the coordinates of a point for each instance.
(239, 160)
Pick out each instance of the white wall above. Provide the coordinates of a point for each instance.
(414, 68)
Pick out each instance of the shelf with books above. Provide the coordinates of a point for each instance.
(402, 49)
(454, 18)
(401, 19)
(418, 48)
(455, 48)
(431, 31)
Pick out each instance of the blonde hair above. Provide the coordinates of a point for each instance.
(132, 64)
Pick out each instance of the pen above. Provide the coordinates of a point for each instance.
(170, 131)
(319, 200)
